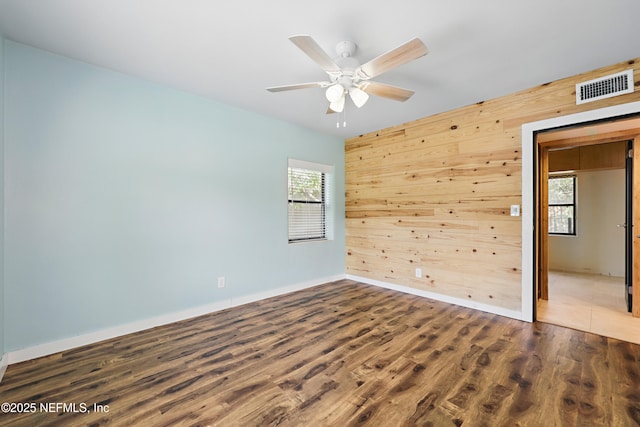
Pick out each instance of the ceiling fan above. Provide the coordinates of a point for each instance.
(347, 76)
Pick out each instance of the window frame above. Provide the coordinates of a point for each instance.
(325, 172)
(573, 204)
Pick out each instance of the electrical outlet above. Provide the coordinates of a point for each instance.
(418, 272)
(221, 282)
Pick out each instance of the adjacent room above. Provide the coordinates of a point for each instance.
(348, 214)
(587, 268)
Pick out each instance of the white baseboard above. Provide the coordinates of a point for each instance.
(108, 333)
(439, 297)
(285, 290)
(4, 362)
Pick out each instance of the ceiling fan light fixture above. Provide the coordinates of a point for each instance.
(358, 96)
(337, 105)
(334, 92)
(346, 75)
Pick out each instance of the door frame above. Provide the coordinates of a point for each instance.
(529, 197)
(628, 219)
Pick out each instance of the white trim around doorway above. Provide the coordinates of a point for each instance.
(528, 203)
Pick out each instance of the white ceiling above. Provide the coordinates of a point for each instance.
(230, 51)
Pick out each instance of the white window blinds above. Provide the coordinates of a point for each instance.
(307, 201)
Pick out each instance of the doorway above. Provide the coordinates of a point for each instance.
(585, 146)
(587, 199)
(529, 282)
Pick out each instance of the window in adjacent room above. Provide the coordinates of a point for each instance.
(307, 204)
(562, 205)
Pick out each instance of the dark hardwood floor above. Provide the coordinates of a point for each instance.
(339, 354)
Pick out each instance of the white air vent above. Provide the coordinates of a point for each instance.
(605, 87)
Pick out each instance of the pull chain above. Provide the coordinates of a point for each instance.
(344, 116)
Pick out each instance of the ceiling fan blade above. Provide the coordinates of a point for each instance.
(386, 91)
(330, 111)
(315, 52)
(297, 86)
(407, 52)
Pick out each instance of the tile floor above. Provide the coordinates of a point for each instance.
(590, 303)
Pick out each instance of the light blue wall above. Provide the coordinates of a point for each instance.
(2, 323)
(126, 200)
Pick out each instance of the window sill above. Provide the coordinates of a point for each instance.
(293, 242)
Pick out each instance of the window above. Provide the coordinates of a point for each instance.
(307, 201)
(562, 205)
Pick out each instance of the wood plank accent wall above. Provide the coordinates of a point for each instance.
(435, 194)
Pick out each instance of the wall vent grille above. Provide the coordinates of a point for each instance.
(605, 87)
